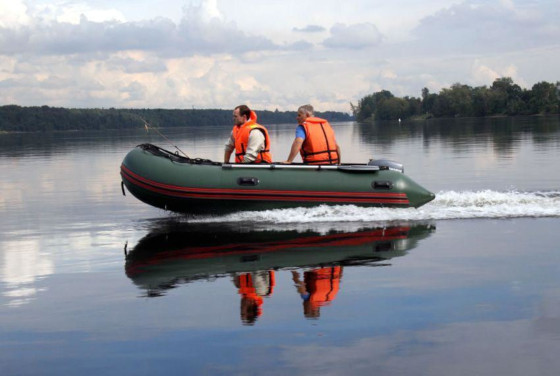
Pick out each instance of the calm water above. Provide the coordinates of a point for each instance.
(92, 282)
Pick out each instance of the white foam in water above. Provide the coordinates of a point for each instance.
(447, 205)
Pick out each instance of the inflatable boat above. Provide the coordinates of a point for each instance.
(170, 181)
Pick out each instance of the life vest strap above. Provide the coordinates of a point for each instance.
(319, 152)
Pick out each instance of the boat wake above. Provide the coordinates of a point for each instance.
(447, 205)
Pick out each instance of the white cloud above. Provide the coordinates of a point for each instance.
(13, 14)
(490, 27)
(73, 13)
(207, 54)
(388, 73)
(355, 36)
(206, 11)
(135, 62)
(483, 74)
(309, 29)
(79, 30)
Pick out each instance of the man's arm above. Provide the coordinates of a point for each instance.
(296, 147)
(230, 145)
(339, 155)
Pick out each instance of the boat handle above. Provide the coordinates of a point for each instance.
(386, 184)
(248, 181)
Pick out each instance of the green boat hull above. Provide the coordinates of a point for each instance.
(168, 181)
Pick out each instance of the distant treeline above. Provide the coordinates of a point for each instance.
(15, 118)
(504, 97)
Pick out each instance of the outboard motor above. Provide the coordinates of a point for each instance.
(385, 164)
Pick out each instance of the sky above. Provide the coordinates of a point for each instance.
(275, 54)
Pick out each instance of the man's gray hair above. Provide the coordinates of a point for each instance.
(307, 109)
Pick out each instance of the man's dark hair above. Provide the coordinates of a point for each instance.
(244, 110)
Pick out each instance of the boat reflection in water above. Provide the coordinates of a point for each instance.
(178, 253)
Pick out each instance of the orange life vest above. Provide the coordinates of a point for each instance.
(323, 284)
(247, 287)
(248, 291)
(241, 137)
(319, 146)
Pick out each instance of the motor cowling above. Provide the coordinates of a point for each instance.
(386, 164)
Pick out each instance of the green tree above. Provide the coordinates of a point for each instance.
(391, 109)
(368, 105)
(481, 101)
(428, 101)
(506, 97)
(459, 99)
(544, 98)
(414, 106)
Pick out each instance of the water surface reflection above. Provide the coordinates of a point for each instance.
(175, 254)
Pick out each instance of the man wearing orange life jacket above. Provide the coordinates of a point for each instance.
(319, 288)
(252, 287)
(315, 139)
(249, 146)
